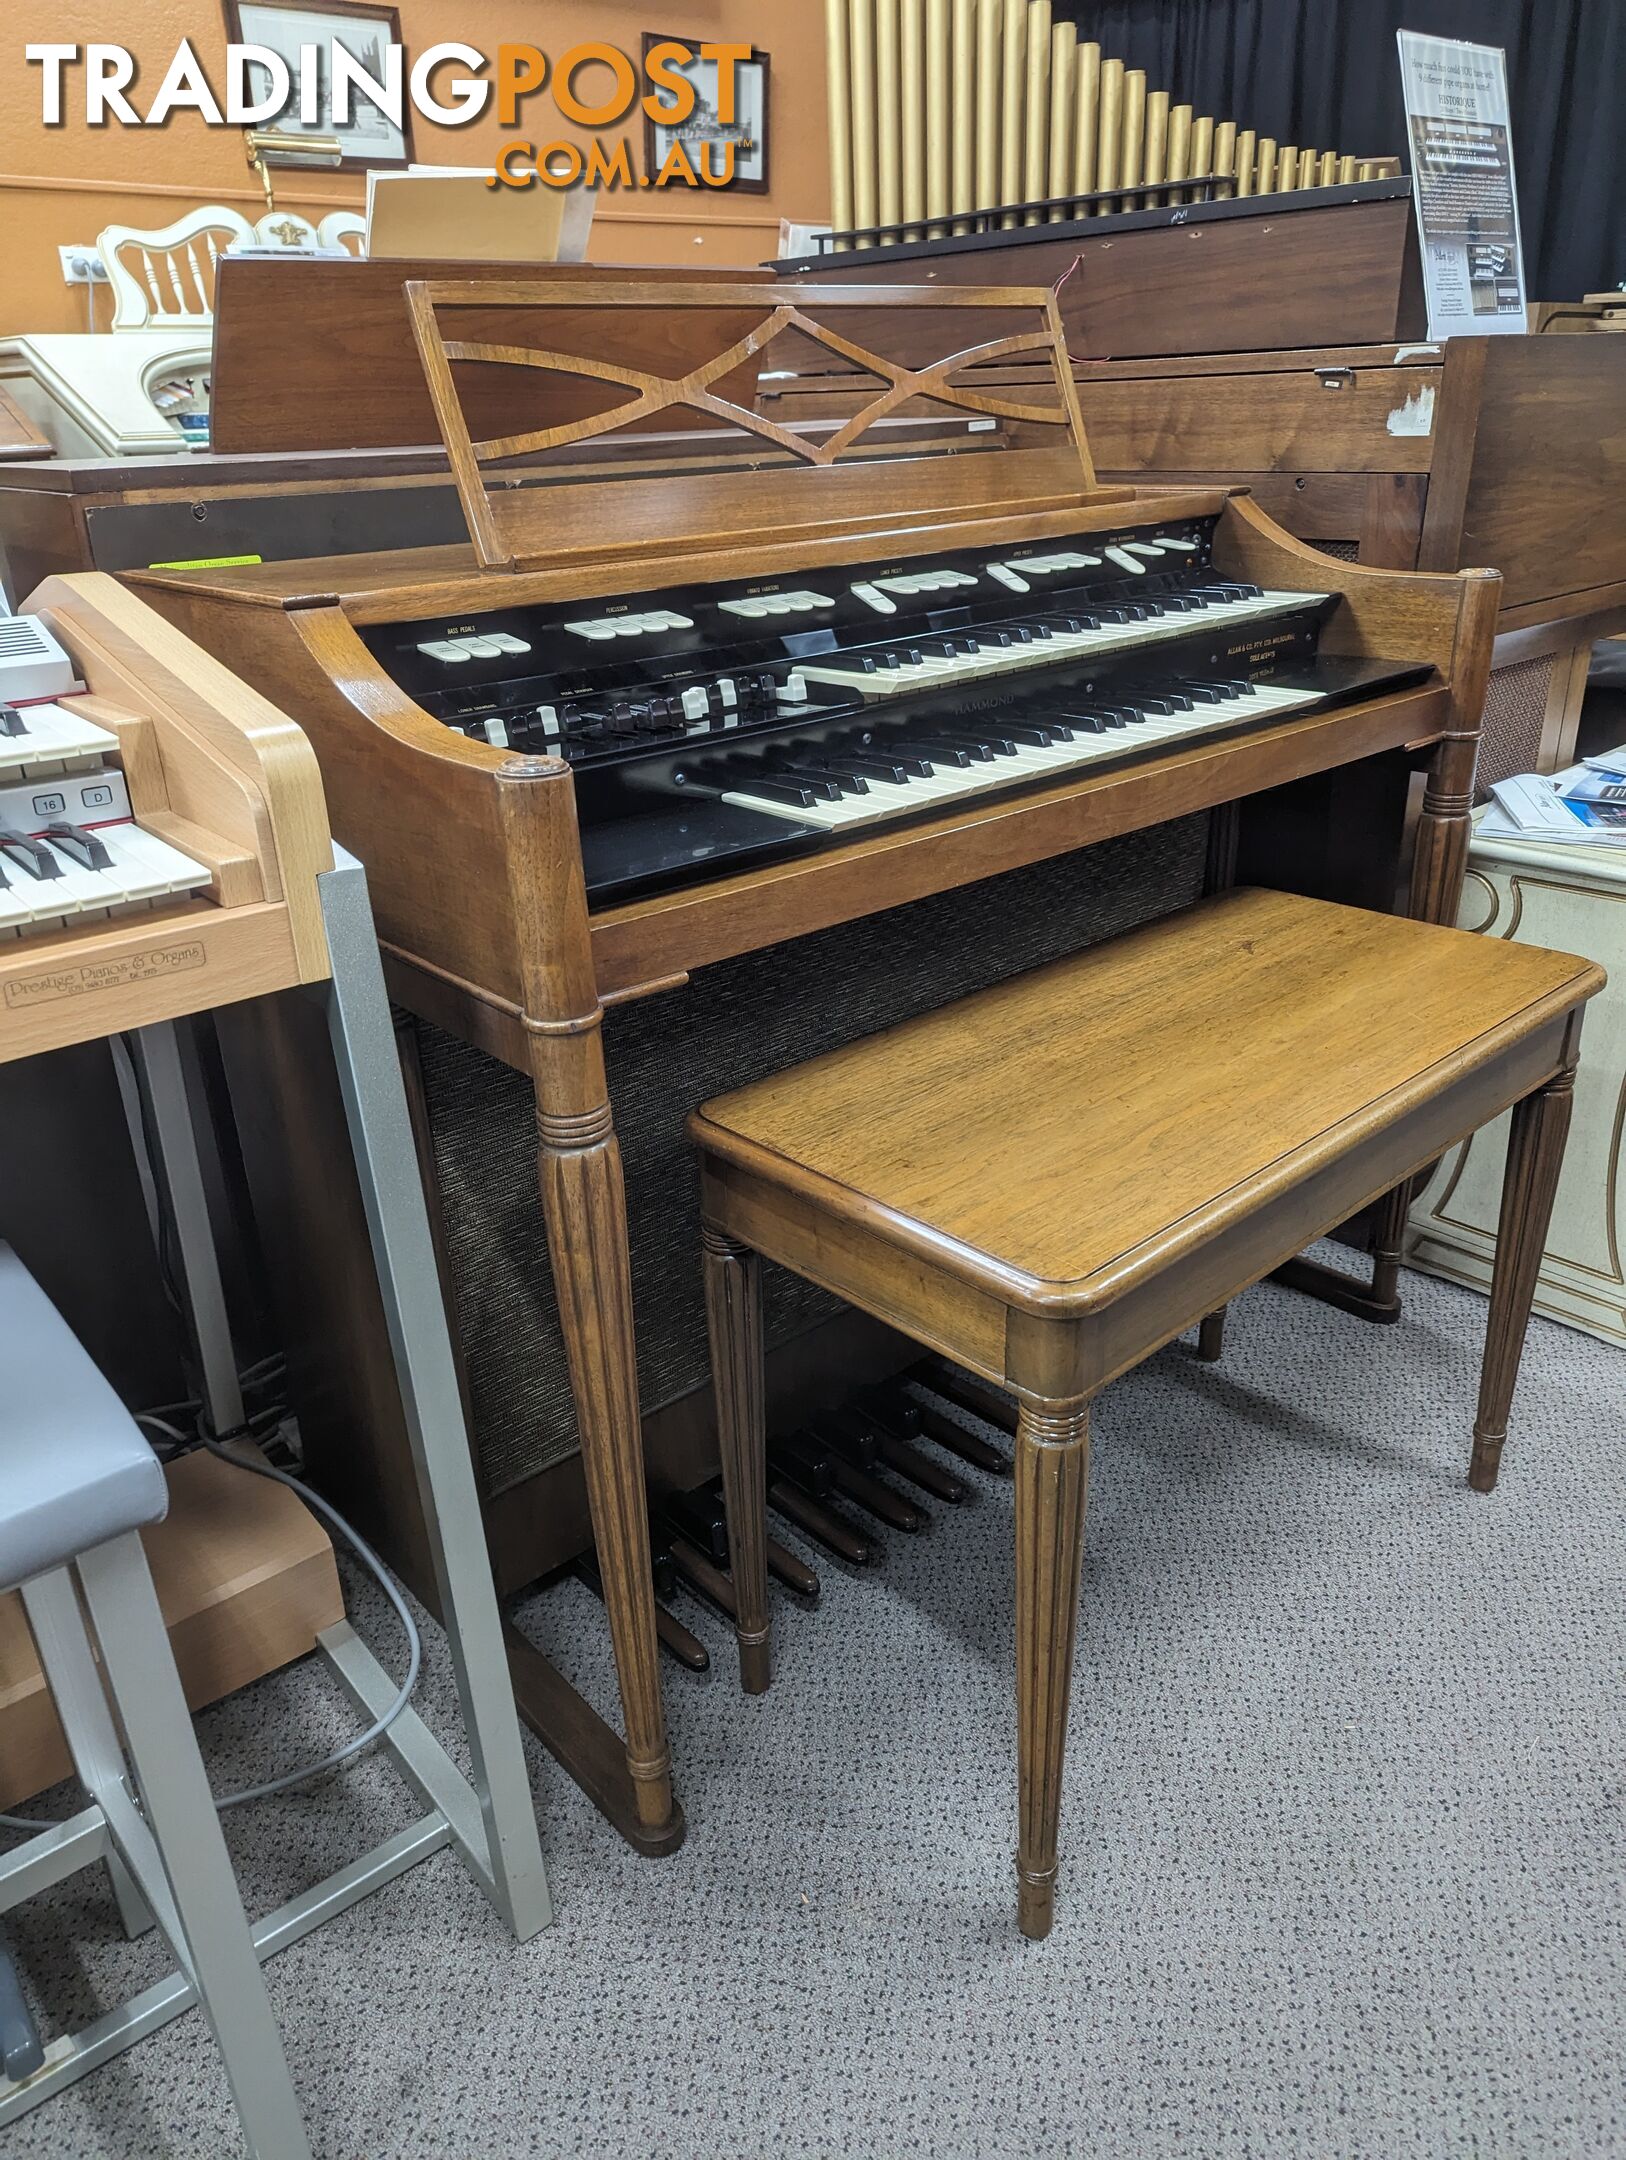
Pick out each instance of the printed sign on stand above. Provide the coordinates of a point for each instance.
(1462, 180)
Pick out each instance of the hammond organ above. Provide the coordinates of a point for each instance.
(666, 781)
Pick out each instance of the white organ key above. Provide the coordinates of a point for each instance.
(696, 702)
(446, 649)
(1013, 579)
(53, 736)
(596, 630)
(496, 733)
(1145, 547)
(1177, 547)
(1126, 561)
(547, 719)
(150, 867)
(505, 641)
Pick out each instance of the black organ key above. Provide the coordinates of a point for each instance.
(29, 855)
(79, 846)
(766, 784)
(825, 781)
(944, 750)
(994, 739)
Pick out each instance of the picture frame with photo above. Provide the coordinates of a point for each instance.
(748, 130)
(371, 141)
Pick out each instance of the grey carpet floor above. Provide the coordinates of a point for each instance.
(1342, 1835)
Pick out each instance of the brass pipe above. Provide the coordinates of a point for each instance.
(1179, 149)
(1109, 144)
(1309, 166)
(839, 89)
(1063, 109)
(1287, 169)
(1013, 99)
(1132, 155)
(863, 111)
(1225, 158)
(990, 25)
(1087, 133)
(1036, 139)
(1328, 175)
(963, 78)
(1247, 161)
(939, 56)
(912, 109)
(1157, 140)
(1346, 171)
(888, 162)
(1202, 147)
(1265, 184)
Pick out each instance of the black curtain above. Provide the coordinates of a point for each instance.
(1327, 72)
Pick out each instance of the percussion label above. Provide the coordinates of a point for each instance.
(104, 975)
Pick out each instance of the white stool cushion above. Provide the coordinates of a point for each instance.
(75, 1469)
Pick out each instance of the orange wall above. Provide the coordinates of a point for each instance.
(62, 185)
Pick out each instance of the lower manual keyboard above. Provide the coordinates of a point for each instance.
(877, 773)
(71, 851)
(801, 787)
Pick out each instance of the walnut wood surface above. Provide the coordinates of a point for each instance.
(934, 1175)
(1052, 1486)
(1535, 1155)
(315, 355)
(920, 1128)
(734, 1322)
(470, 334)
(584, 1204)
(1530, 464)
(1321, 274)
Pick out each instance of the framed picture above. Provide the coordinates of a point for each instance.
(283, 26)
(748, 130)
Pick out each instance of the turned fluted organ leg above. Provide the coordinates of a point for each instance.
(1052, 1479)
(585, 1205)
(1535, 1155)
(586, 1210)
(734, 1320)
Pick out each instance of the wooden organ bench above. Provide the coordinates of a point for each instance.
(1023, 1180)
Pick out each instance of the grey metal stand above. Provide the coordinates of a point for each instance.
(489, 1819)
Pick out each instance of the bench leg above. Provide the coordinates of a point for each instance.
(734, 1321)
(1211, 1337)
(1052, 1478)
(1535, 1154)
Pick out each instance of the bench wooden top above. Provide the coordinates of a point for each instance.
(1065, 1135)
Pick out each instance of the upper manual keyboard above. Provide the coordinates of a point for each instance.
(708, 724)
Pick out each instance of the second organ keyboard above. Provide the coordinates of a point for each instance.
(712, 726)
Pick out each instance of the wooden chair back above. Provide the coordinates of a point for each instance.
(165, 278)
(346, 229)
